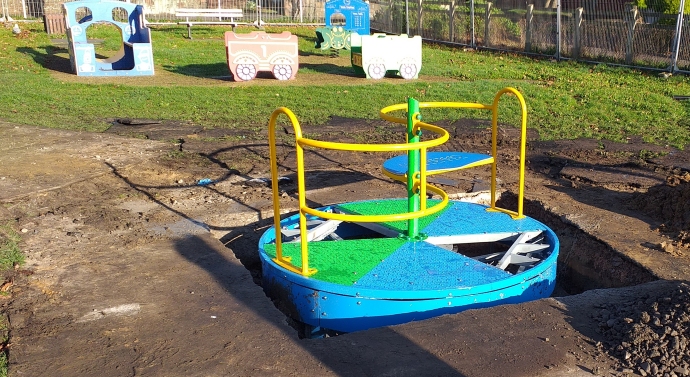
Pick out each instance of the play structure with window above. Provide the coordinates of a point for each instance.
(135, 57)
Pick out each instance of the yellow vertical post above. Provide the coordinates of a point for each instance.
(523, 149)
(285, 261)
(301, 189)
(274, 182)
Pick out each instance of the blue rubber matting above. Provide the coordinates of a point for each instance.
(418, 266)
(466, 219)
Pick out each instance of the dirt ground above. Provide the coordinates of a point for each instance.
(135, 269)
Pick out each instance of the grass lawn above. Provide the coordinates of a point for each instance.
(192, 83)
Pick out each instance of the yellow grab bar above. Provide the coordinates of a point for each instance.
(419, 180)
(301, 142)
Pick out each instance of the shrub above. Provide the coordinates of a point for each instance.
(663, 6)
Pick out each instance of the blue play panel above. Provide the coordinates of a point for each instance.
(439, 162)
(135, 57)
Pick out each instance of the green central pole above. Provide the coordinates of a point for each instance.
(413, 200)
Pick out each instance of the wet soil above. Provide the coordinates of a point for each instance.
(135, 268)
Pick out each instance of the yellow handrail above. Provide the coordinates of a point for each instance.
(419, 180)
(301, 142)
(494, 152)
(494, 139)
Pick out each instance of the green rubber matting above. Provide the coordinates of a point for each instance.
(391, 206)
(340, 262)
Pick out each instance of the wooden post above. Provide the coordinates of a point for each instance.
(487, 17)
(529, 17)
(451, 15)
(577, 33)
(632, 22)
(54, 23)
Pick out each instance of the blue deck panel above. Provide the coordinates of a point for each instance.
(419, 266)
(437, 162)
(461, 218)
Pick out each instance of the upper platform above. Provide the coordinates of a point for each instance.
(438, 162)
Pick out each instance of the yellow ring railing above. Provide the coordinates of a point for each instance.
(419, 180)
(301, 142)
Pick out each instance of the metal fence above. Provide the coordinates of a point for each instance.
(254, 11)
(21, 9)
(608, 31)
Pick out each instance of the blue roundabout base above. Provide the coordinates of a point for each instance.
(370, 275)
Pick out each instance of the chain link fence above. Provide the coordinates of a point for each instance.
(607, 31)
(21, 9)
(254, 11)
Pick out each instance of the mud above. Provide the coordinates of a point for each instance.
(133, 268)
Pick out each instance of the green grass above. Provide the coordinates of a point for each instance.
(565, 100)
(4, 339)
(10, 253)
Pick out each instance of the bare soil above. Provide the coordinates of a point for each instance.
(133, 268)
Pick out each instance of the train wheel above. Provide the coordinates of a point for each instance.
(245, 72)
(408, 71)
(282, 71)
(376, 71)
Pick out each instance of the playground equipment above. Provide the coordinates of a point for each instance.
(343, 17)
(374, 55)
(260, 51)
(332, 37)
(358, 265)
(354, 12)
(135, 58)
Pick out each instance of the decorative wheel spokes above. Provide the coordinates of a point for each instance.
(377, 71)
(408, 71)
(246, 72)
(282, 71)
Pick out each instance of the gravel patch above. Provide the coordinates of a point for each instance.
(648, 335)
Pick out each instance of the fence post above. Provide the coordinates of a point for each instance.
(577, 40)
(558, 30)
(420, 15)
(407, 17)
(473, 43)
(487, 16)
(631, 15)
(529, 17)
(675, 49)
(451, 15)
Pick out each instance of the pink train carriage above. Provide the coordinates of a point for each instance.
(260, 51)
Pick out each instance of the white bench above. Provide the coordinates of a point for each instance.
(220, 14)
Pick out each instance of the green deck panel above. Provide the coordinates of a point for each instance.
(341, 262)
(391, 206)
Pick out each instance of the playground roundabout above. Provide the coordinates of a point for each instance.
(134, 268)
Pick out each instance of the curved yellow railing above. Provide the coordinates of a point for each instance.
(384, 113)
(301, 142)
(418, 181)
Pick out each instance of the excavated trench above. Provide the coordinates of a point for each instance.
(584, 262)
(588, 260)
